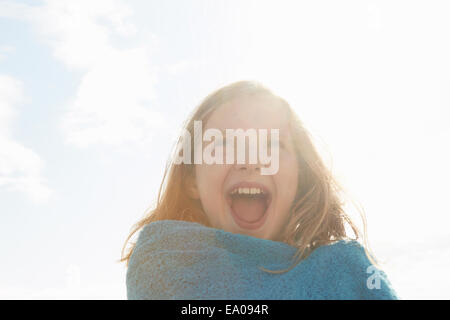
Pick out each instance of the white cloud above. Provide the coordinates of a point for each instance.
(184, 65)
(92, 292)
(79, 31)
(112, 102)
(9, 9)
(73, 279)
(418, 270)
(20, 167)
(112, 105)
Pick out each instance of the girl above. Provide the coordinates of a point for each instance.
(226, 231)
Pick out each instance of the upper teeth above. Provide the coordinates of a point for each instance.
(247, 191)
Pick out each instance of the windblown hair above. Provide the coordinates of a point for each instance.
(317, 214)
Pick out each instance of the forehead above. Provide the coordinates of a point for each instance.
(258, 112)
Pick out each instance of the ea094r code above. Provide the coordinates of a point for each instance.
(246, 309)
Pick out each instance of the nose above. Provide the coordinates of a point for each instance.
(247, 167)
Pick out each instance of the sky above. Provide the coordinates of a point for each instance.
(93, 95)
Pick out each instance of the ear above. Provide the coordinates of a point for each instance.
(191, 187)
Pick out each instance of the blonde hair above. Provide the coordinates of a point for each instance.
(318, 216)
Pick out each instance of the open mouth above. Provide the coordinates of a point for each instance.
(249, 203)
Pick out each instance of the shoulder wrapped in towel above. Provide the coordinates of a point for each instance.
(186, 260)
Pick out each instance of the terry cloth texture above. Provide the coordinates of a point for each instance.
(185, 260)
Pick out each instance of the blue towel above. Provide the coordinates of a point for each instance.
(186, 260)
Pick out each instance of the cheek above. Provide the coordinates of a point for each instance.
(210, 180)
(288, 176)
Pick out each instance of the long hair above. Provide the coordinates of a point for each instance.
(317, 214)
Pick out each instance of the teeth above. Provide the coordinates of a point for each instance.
(247, 191)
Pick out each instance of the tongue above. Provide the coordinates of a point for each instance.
(249, 209)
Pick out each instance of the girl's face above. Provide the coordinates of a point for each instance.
(222, 188)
